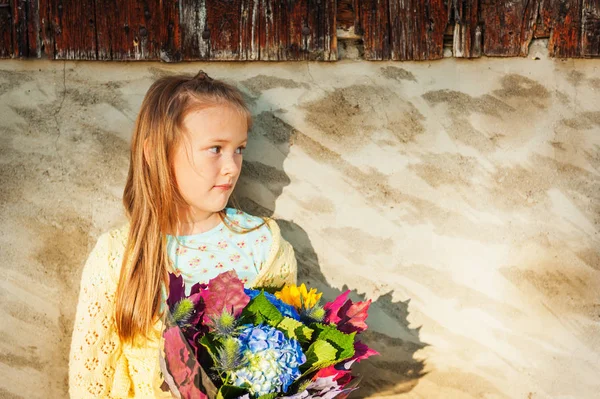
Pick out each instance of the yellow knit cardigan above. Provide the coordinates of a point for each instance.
(100, 366)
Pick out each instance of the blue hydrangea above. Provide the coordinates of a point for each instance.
(284, 308)
(273, 360)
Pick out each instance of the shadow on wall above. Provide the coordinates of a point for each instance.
(262, 181)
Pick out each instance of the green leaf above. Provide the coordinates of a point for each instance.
(344, 343)
(295, 329)
(272, 289)
(288, 325)
(319, 355)
(260, 310)
(210, 347)
(304, 333)
(268, 396)
(230, 392)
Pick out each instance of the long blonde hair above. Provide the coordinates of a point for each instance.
(151, 196)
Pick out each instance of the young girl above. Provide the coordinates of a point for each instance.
(186, 157)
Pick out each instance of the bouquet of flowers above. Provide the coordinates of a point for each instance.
(224, 341)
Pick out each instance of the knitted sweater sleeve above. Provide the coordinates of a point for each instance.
(95, 345)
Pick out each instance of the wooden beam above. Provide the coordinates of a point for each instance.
(375, 28)
(468, 29)
(565, 39)
(70, 29)
(132, 30)
(590, 34)
(6, 29)
(509, 26)
(417, 29)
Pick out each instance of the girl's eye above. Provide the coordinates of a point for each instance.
(240, 149)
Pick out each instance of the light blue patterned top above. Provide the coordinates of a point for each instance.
(220, 249)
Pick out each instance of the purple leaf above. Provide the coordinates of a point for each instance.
(353, 316)
(226, 291)
(332, 308)
(181, 364)
(176, 290)
(362, 352)
(347, 315)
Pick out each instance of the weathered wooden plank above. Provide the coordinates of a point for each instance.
(543, 25)
(19, 23)
(345, 15)
(46, 29)
(71, 25)
(6, 30)
(34, 41)
(417, 29)
(509, 26)
(590, 35)
(284, 31)
(115, 31)
(223, 24)
(321, 40)
(194, 35)
(269, 30)
(289, 24)
(131, 30)
(565, 40)
(358, 29)
(375, 27)
(468, 30)
(249, 40)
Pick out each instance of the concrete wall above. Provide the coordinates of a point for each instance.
(463, 197)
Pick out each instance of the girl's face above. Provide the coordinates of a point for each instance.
(208, 157)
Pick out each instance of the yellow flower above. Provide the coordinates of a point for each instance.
(299, 297)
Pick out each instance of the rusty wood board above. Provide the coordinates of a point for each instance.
(194, 35)
(249, 30)
(402, 30)
(565, 17)
(417, 29)
(590, 24)
(509, 26)
(6, 29)
(274, 39)
(19, 29)
(34, 39)
(543, 26)
(299, 30)
(320, 32)
(46, 29)
(468, 30)
(219, 31)
(281, 30)
(228, 30)
(345, 14)
(375, 27)
(70, 29)
(358, 29)
(131, 30)
(19, 21)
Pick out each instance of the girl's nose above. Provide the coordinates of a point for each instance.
(230, 166)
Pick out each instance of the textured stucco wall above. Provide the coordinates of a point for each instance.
(463, 197)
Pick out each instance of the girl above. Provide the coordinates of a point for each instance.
(186, 157)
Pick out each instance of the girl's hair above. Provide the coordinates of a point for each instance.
(151, 196)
